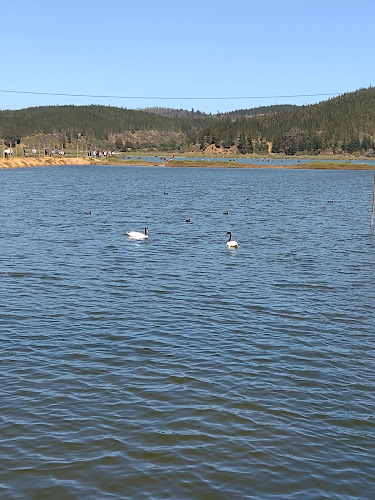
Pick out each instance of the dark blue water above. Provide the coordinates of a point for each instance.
(174, 367)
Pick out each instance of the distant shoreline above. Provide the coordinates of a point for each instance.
(176, 162)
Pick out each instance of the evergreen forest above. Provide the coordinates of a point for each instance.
(340, 125)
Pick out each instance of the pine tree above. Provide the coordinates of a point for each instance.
(242, 146)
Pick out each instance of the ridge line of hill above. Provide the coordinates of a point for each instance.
(339, 125)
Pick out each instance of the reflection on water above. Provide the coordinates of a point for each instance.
(174, 367)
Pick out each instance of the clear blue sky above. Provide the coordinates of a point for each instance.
(174, 48)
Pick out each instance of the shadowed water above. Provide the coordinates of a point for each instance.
(174, 367)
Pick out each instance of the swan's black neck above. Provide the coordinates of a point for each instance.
(230, 235)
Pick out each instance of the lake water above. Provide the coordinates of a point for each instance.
(174, 368)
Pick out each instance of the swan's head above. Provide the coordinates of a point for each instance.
(146, 230)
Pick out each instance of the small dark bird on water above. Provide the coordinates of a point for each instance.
(225, 213)
(165, 193)
(88, 213)
(188, 220)
(331, 201)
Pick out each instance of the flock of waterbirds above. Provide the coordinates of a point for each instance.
(137, 235)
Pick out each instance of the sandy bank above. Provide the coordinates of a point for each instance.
(47, 161)
(43, 161)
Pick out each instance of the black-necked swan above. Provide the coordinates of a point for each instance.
(135, 235)
(231, 243)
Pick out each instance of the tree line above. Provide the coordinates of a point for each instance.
(343, 124)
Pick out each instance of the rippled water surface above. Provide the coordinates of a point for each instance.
(174, 367)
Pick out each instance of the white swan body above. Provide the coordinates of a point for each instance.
(135, 235)
(231, 243)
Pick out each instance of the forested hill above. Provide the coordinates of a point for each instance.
(110, 126)
(262, 110)
(183, 113)
(341, 124)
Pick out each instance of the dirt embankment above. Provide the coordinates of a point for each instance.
(44, 161)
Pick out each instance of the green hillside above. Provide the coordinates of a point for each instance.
(344, 124)
(341, 124)
(104, 125)
(262, 110)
